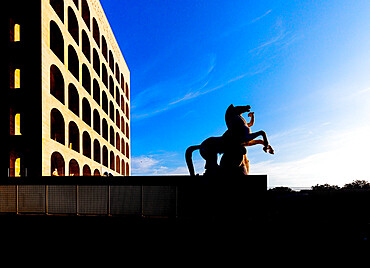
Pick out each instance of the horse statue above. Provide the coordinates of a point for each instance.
(231, 144)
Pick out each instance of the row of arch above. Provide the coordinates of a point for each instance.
(73, 29)
(58, 167)
(57, 89)
(57, 133)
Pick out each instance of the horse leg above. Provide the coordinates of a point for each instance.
(252, 136)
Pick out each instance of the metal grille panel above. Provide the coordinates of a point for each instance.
(62, 199)
(8, 198)
(159, 200)
(93, 199)
(31, 198)
(125, 200)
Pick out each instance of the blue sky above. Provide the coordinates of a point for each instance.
(303, 66)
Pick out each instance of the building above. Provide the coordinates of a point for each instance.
(68, 91)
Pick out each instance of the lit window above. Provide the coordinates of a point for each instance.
(17, 33)
(17, 78)
(17, 129)
(17, 167)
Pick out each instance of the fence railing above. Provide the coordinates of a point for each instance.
(118, 196)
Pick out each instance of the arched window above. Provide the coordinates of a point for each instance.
(96, 32)
(127, 131)
(17, 33)
(118, 164)
(111, 111)
(127, 151)
(112, 161)
(118, 119)
(118, 141)
(127, 92)
(96, 62)
(57, 126)
(112, 136)
(111, 61)
(123, 167)
(74, 137)
(86, 79)
(96, 91)
(104, 102)
(86, 13)
(96, 121)
(73, 62)
(56, 41)
(73, 28)
(56, 83)
(104, 75)
(86, 170)
(127, 113)
(104, 48)
(58, 6)
(123, 146)
(127, 169)
(86, 46)
(86, 111)
(118, 95)
(96, 151)
(105, 156)
(117, 72)
(123, 125)
(73, 100)
(96, 172)
(57, 164)
(105, 129)
(122, 83)
(74, 168)
(86, 144)
(111, 86)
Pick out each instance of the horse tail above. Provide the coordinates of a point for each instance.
(189, 160)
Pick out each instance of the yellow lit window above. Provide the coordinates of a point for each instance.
(17, 128)
(17, 168)
(17, 78)
(17, 33)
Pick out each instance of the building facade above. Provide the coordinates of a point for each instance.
(68, 91)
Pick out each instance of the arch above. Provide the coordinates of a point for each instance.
(86, 78)
(73, 62)
(105, 156)
(118, 164)
(96, 62)
(86, 49)
(123, 167)
(112, 136)
(127, 112)
(118, 142)
(86, 144)
(127, 92)
(117, 72)
(16, 164)
(104, 47)
(86, 111)
(123, 125)
(112, 161)
(118, 120)
(111, 61)
(73, 27)
(122, 104)
(73, 99)
(57, 126)
(96, 172)
(96, 32)
(86, 171)
(118, 96)
(56, 41)
(111, 111)
(74, 168)
(104, 75)
(127, 151)
(97, 151)
(122, 83)
(85, 13)
(104, 102)
(73, 137)
(105, 129)
(96, 121)
(122, 146)
(127, 131)
(57, 164)
(111, 86)
(127, 169)
(56, 83)
(58, 6)
(96, 91)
